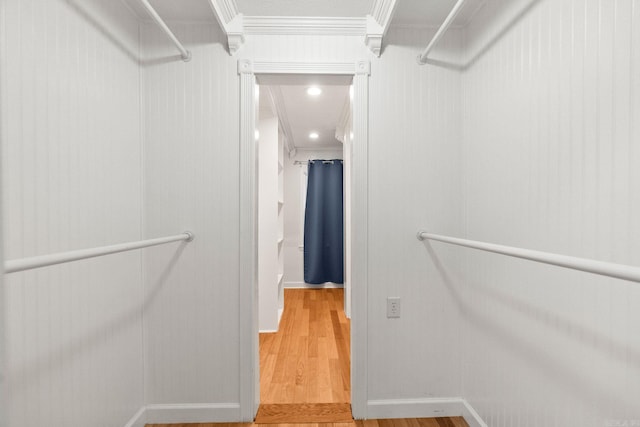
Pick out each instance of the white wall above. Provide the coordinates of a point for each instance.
(551, 155)
(414, 183)
(71, 157)
(191, 182)
(293, 218)
(191, 167)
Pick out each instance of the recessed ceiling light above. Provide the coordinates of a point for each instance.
(314, 135)
(256, 134)
(314, 91)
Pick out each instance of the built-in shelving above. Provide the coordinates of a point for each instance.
(280, 281)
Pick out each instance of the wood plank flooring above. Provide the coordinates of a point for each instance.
(304, 370)
(278, 413)
(308, 359)
(400, 422)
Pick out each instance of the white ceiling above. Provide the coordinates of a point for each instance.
(176, 10)
(418, 13)
(302, 114)
(346, 8)
(408, 12)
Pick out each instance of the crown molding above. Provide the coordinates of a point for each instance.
(281, 112)
(383, 11)
(303, 25)
(331, 68)
(231, 22)
(343, 120)
(225, 10)
(378, 24)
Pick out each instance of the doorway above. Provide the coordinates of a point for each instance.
(249, 342)
(304, 127)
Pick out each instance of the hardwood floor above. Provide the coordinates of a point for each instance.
(400, 422)
(308, 359)
(304, 370)
(278, 413)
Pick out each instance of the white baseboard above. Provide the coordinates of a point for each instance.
(471, 416)
(376, 409)
(303, 285)
(186, 413)
(139, 419)
(424, 408)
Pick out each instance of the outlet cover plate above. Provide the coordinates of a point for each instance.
(393, 307)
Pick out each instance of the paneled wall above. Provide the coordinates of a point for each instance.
(71, 157)
(551, 156)
(191, 182)
(191, 171)
(414, 183)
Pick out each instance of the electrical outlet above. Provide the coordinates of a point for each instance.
(393, 307)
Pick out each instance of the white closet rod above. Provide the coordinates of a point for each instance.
(618, 271)
(184, 53)
(422, 58)
(62, 257)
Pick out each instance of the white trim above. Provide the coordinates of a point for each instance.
(424, 408)
(360, 240)
(283, 117)
(224, 10)
(343, 121)
(414, 408)
(303, 25)
(304, 285)
(248, 249)
(231, 22)
(331, 68)
(192, 413)
(378, 24)
(471, 416)
(139, 419)
(382, 11)
(249, 357)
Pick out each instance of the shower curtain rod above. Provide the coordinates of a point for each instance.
(184, 53)
(304, 162)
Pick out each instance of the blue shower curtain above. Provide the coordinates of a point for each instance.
(323, 223)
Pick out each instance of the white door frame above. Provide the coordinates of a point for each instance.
(248, 293)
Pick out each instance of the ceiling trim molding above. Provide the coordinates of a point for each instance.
(383, 11)
(323, 149)
(303, 25)
(331, 68)
(281, 112)
(231, 22)
(378, 24)
(225, 10)
(343, 121)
